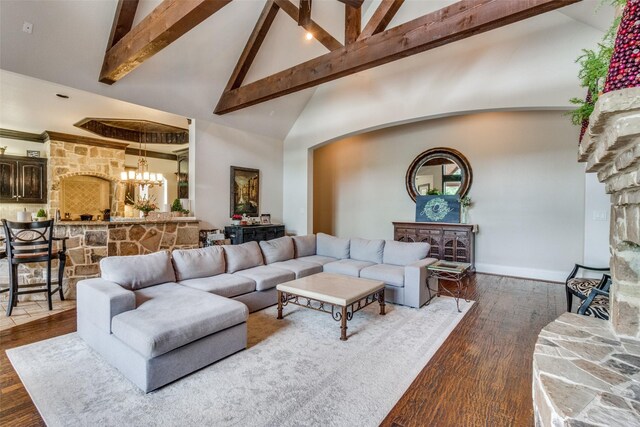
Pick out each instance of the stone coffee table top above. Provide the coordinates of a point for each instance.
(584, 375)
(334, 289)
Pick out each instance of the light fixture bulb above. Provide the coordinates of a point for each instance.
(123, 176)
(308, 36)
(160, 178)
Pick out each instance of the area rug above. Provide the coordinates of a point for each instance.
(295, 372)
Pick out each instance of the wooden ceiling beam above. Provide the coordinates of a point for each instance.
(455, 22)
(316, 30)
(123, 20)
(304, 13)
(352, 22)
(352, 3)
(165, 24)
(381, 18)
(252, 47)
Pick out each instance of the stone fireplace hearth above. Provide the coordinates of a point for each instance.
(586, 371)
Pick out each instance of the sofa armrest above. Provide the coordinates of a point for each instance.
(99, 300)
(415, 282)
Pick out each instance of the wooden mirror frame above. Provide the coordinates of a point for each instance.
(448, 153)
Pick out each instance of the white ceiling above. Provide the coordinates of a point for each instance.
(186, 78)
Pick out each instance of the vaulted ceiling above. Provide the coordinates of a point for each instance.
(187, 77)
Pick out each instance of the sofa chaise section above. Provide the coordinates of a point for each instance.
(152, 329)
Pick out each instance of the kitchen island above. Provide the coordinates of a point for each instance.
(90, 241)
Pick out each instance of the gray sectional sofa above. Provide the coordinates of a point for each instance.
(161, 316)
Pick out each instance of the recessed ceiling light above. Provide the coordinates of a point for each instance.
(308, 36)
(63, 96)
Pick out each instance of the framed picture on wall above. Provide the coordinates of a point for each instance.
(424, 189)
(245, 191)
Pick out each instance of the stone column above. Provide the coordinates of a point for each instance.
(611, 148)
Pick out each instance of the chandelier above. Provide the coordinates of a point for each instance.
(141, 176)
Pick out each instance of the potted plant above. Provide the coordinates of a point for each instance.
(41, 215)
(235, 219)
(177, 209)
(145, 205)
(465, 204)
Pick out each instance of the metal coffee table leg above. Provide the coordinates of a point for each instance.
(343, 324)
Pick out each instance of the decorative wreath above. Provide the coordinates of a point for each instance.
(436, 209)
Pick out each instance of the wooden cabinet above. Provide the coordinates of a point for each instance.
(23, 179)
(183, 173)
(252, 233)
(450, 242)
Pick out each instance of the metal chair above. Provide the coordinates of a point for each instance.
(597, 302)
(29, 242)
(579, 286)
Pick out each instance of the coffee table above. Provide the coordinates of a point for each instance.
(452, 271)
(338, 295)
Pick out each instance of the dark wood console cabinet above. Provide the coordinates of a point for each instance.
(23, 179)
(450, 242)
(252, 233)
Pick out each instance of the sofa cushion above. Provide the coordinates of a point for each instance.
(366, 250)
(317, 259)
(266, 276)
(225, 285)
(240, 257)
(300, 268)
(332, 246)
(404, 253)
(276, 250)
(389, 274)
(169, 316)
(196, 263)
(304, 245)
(349, 267)
(138, 271)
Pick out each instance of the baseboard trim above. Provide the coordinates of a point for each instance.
(525, 273)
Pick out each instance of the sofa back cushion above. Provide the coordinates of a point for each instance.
(241, 257)
(138, 271)
(366, 250)
(304, 245)
(197, 263)
(276, 250)
(404, 253)
(332, 246)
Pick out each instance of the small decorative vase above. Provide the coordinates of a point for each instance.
(463, 216)
(235, 222)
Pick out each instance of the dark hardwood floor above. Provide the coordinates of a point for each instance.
(480, 376)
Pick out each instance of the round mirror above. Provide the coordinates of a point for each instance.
(439, 171)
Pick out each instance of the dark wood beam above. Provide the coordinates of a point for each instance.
(318, 32)
(304, 14)
(381, 18)
(123, 20)
(455, 22)
(165, 24)
(352, 20)
(252, 47)
(352, 3)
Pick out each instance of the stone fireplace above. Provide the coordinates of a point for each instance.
(586, 371)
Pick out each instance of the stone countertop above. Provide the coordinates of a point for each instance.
(129, 221)
(583, 374)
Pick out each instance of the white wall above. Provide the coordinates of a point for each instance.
(527, 191)
(215, 150)
(597, 207)
(529, 65)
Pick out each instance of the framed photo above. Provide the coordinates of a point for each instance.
(424, 189)
(438, 209)
(265, 219)
(245, 191)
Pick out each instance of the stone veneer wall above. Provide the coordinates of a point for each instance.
(88, 244)
(68, 159)
(611, 148)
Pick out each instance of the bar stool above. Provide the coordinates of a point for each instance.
(29, 242)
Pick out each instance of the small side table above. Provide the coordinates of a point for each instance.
(452, 271)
